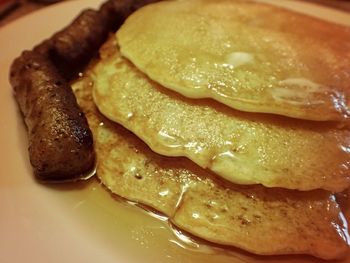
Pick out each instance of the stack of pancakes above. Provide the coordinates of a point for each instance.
(230, 118)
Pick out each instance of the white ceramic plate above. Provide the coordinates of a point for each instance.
(82, 222)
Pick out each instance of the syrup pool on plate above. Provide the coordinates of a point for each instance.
(144, 235)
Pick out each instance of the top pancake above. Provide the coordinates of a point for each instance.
(249, 56)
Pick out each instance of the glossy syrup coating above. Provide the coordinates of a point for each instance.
(241, 147)
(264, 221)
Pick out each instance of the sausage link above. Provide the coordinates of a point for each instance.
(73, 47)
(116, 11)
(60, 141)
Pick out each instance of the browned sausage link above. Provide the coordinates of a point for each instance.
(116, 11)
(140, 3)
(73, 47)
(60, 142)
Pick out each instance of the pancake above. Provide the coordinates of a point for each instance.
(250, 56)
(241, 147)
(260, 220)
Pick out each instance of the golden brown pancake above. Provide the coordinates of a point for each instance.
(250, 56)
(241, 147)
(254, 218)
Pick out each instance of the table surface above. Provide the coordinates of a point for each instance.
(23, 7)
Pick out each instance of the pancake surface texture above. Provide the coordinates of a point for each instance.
(242, 147)
(250, 56)
(259, 220)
